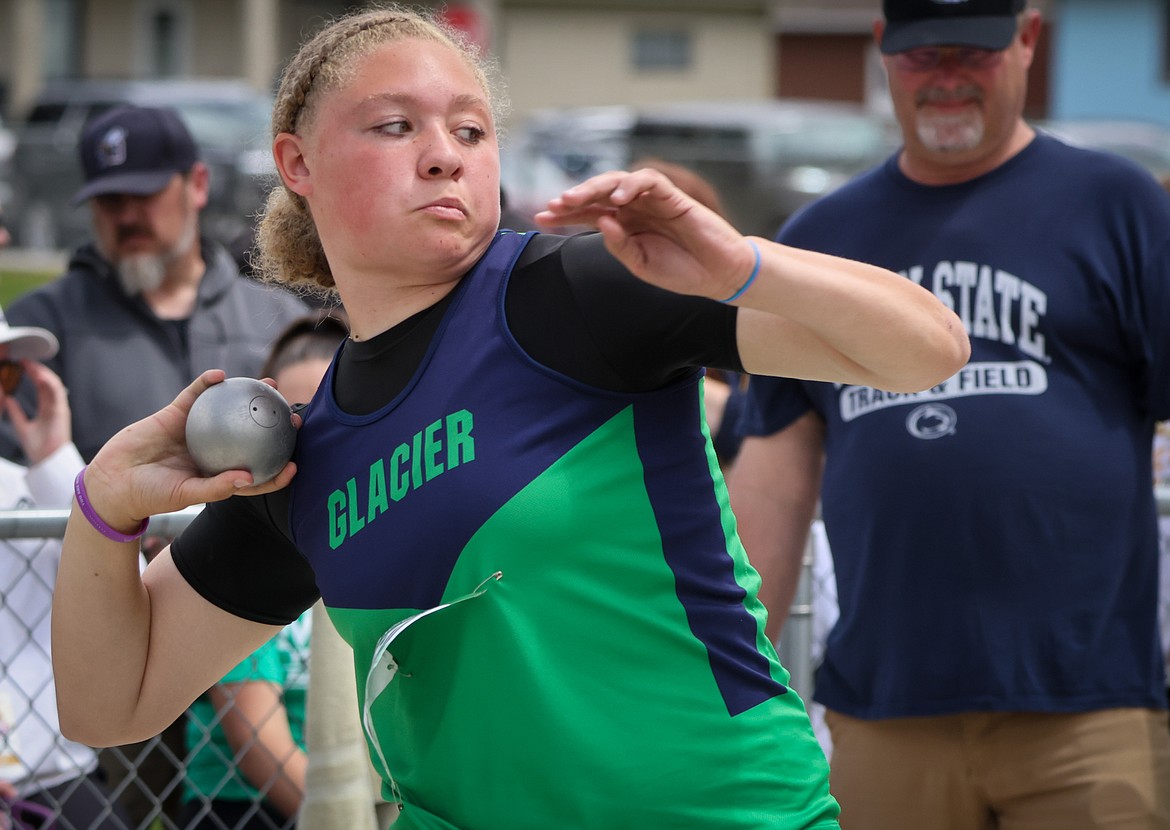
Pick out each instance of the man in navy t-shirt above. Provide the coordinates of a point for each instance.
(997, 659)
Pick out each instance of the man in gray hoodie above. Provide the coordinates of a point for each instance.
(149, 304)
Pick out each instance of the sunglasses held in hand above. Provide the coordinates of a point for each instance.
(25, 815)
(11, 371)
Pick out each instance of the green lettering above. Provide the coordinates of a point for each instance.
(460, 444)
(416, 461)
(398, 483)
(433, 447)
(336, 505)
(438, 447)
(356, 522)
(378, 503)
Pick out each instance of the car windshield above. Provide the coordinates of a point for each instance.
(226, 124)
(848, 141)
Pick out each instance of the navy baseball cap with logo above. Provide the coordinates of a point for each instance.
(981, 24)
(133, 150)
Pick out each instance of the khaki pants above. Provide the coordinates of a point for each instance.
(1011, 771)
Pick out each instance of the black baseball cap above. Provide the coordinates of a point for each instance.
(982, 24)
(133, 150)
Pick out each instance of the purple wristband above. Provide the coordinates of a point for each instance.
(94, 519)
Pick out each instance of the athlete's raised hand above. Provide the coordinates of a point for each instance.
(659, 233)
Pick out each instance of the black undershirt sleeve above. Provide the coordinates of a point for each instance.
(576, 309)
(242, 560)
(570, 305)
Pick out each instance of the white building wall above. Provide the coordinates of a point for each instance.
(558, 58)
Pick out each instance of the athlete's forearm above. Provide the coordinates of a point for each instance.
(101, 634)
(818, 317)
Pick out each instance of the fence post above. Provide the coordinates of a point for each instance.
(795, 641)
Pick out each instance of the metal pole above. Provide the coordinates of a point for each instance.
(795, 644)
(50, 524)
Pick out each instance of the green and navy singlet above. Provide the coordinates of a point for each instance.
(554, 623)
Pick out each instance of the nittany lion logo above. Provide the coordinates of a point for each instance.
(931, 420)
(111, 150)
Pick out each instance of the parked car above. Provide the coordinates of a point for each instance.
(766, 158)
(228, 119)
(553, 149)
(1146, 142)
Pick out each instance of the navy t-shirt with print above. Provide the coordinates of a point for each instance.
(994, 537)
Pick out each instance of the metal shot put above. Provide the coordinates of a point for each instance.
(241, 424)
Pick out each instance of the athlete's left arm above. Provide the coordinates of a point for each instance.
(802, 314)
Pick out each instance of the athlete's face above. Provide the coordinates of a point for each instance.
(400, 165)
(960, 109)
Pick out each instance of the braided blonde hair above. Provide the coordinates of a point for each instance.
(288, 249)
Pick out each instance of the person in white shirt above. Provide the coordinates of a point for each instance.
(37, 764)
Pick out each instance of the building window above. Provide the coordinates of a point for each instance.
(62, 55)
(164, 42)
(657, 50)
(163, 39)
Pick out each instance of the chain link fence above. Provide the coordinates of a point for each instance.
(67, 786)
(141, 786)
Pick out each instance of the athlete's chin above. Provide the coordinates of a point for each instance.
(458, 247)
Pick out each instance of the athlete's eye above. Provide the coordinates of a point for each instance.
(472, 135)
(396, 127)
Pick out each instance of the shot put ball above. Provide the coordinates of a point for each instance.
(241, 424)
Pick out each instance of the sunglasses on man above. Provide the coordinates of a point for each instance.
(930, 58)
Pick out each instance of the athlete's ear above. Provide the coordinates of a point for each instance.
(288, 153)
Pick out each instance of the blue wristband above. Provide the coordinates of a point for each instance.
(751, 277)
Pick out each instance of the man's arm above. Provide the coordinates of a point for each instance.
(774, 486)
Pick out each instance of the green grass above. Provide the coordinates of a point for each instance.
(13, 283)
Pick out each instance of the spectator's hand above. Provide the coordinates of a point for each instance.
(659, 233)
(145, 470)
(50, 428)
